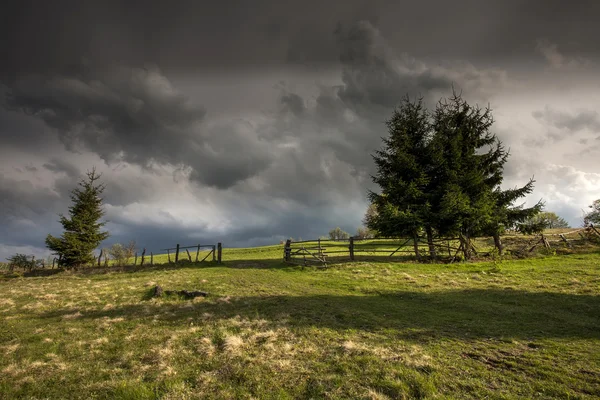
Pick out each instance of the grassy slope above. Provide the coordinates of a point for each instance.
(519, 329)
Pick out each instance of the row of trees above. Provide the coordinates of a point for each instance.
(440, 174)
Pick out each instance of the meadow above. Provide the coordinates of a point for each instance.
(375, 329)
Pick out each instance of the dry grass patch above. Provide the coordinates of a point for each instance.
(74, 315)
(233, 344)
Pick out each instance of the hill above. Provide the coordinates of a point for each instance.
(528, 328)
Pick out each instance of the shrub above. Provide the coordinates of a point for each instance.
(122, 253)
(338, 234)
(21, 261)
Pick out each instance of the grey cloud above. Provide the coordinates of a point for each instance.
(20, 199)
(135, 115)
(326, 144)
(194, 36)
(557, 59)
(27, 212)
(58, 165)
(293, 103)
(298, 171)
(585, 119)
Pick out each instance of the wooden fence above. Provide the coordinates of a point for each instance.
(214, 250)
(319, 251)
(322, 251)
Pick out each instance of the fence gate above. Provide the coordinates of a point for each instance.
(304, 253)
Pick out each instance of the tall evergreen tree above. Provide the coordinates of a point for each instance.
(441, 174)
(403, 207)
(83, 227)
(470, 175)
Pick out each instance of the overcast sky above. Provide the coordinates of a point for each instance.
(250, 122)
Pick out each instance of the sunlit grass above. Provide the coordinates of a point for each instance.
(371, 330)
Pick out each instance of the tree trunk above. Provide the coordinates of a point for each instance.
(429, 232)
(416, 245)
(466, 241)
(498, 243)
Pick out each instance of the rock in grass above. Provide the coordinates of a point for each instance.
(191, 295)
(158, 291)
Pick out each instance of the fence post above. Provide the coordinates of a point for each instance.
(151, 258)
(169, 255)
(143, 255)
(287, 250)
(53, 261)
(177, 253)
(351, 248)
(197, 253)
(545, 242)
(219, 252)
(135, 259)
(188, 253)
(214, 252)
(99, 258)
(564, 239)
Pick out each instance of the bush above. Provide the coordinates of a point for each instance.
(338, 234)
(122, 253)
(21, 261)
(364, 233)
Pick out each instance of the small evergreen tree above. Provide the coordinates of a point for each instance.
(83, 227)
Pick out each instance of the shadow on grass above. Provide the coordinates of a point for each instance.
(449, 314)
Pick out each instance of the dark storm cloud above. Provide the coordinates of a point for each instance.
(27, 212)
(21, 200)
(293, 103)
(75, 71)
(349, 118)
(135, 115)
(51, 37)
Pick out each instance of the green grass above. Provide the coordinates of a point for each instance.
(364, 330)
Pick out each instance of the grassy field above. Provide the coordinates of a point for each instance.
(365, 330)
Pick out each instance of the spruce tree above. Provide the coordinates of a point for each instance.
(441, 173)
(403, 207)
(83, 227)
(508, 215)
(470, 174)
